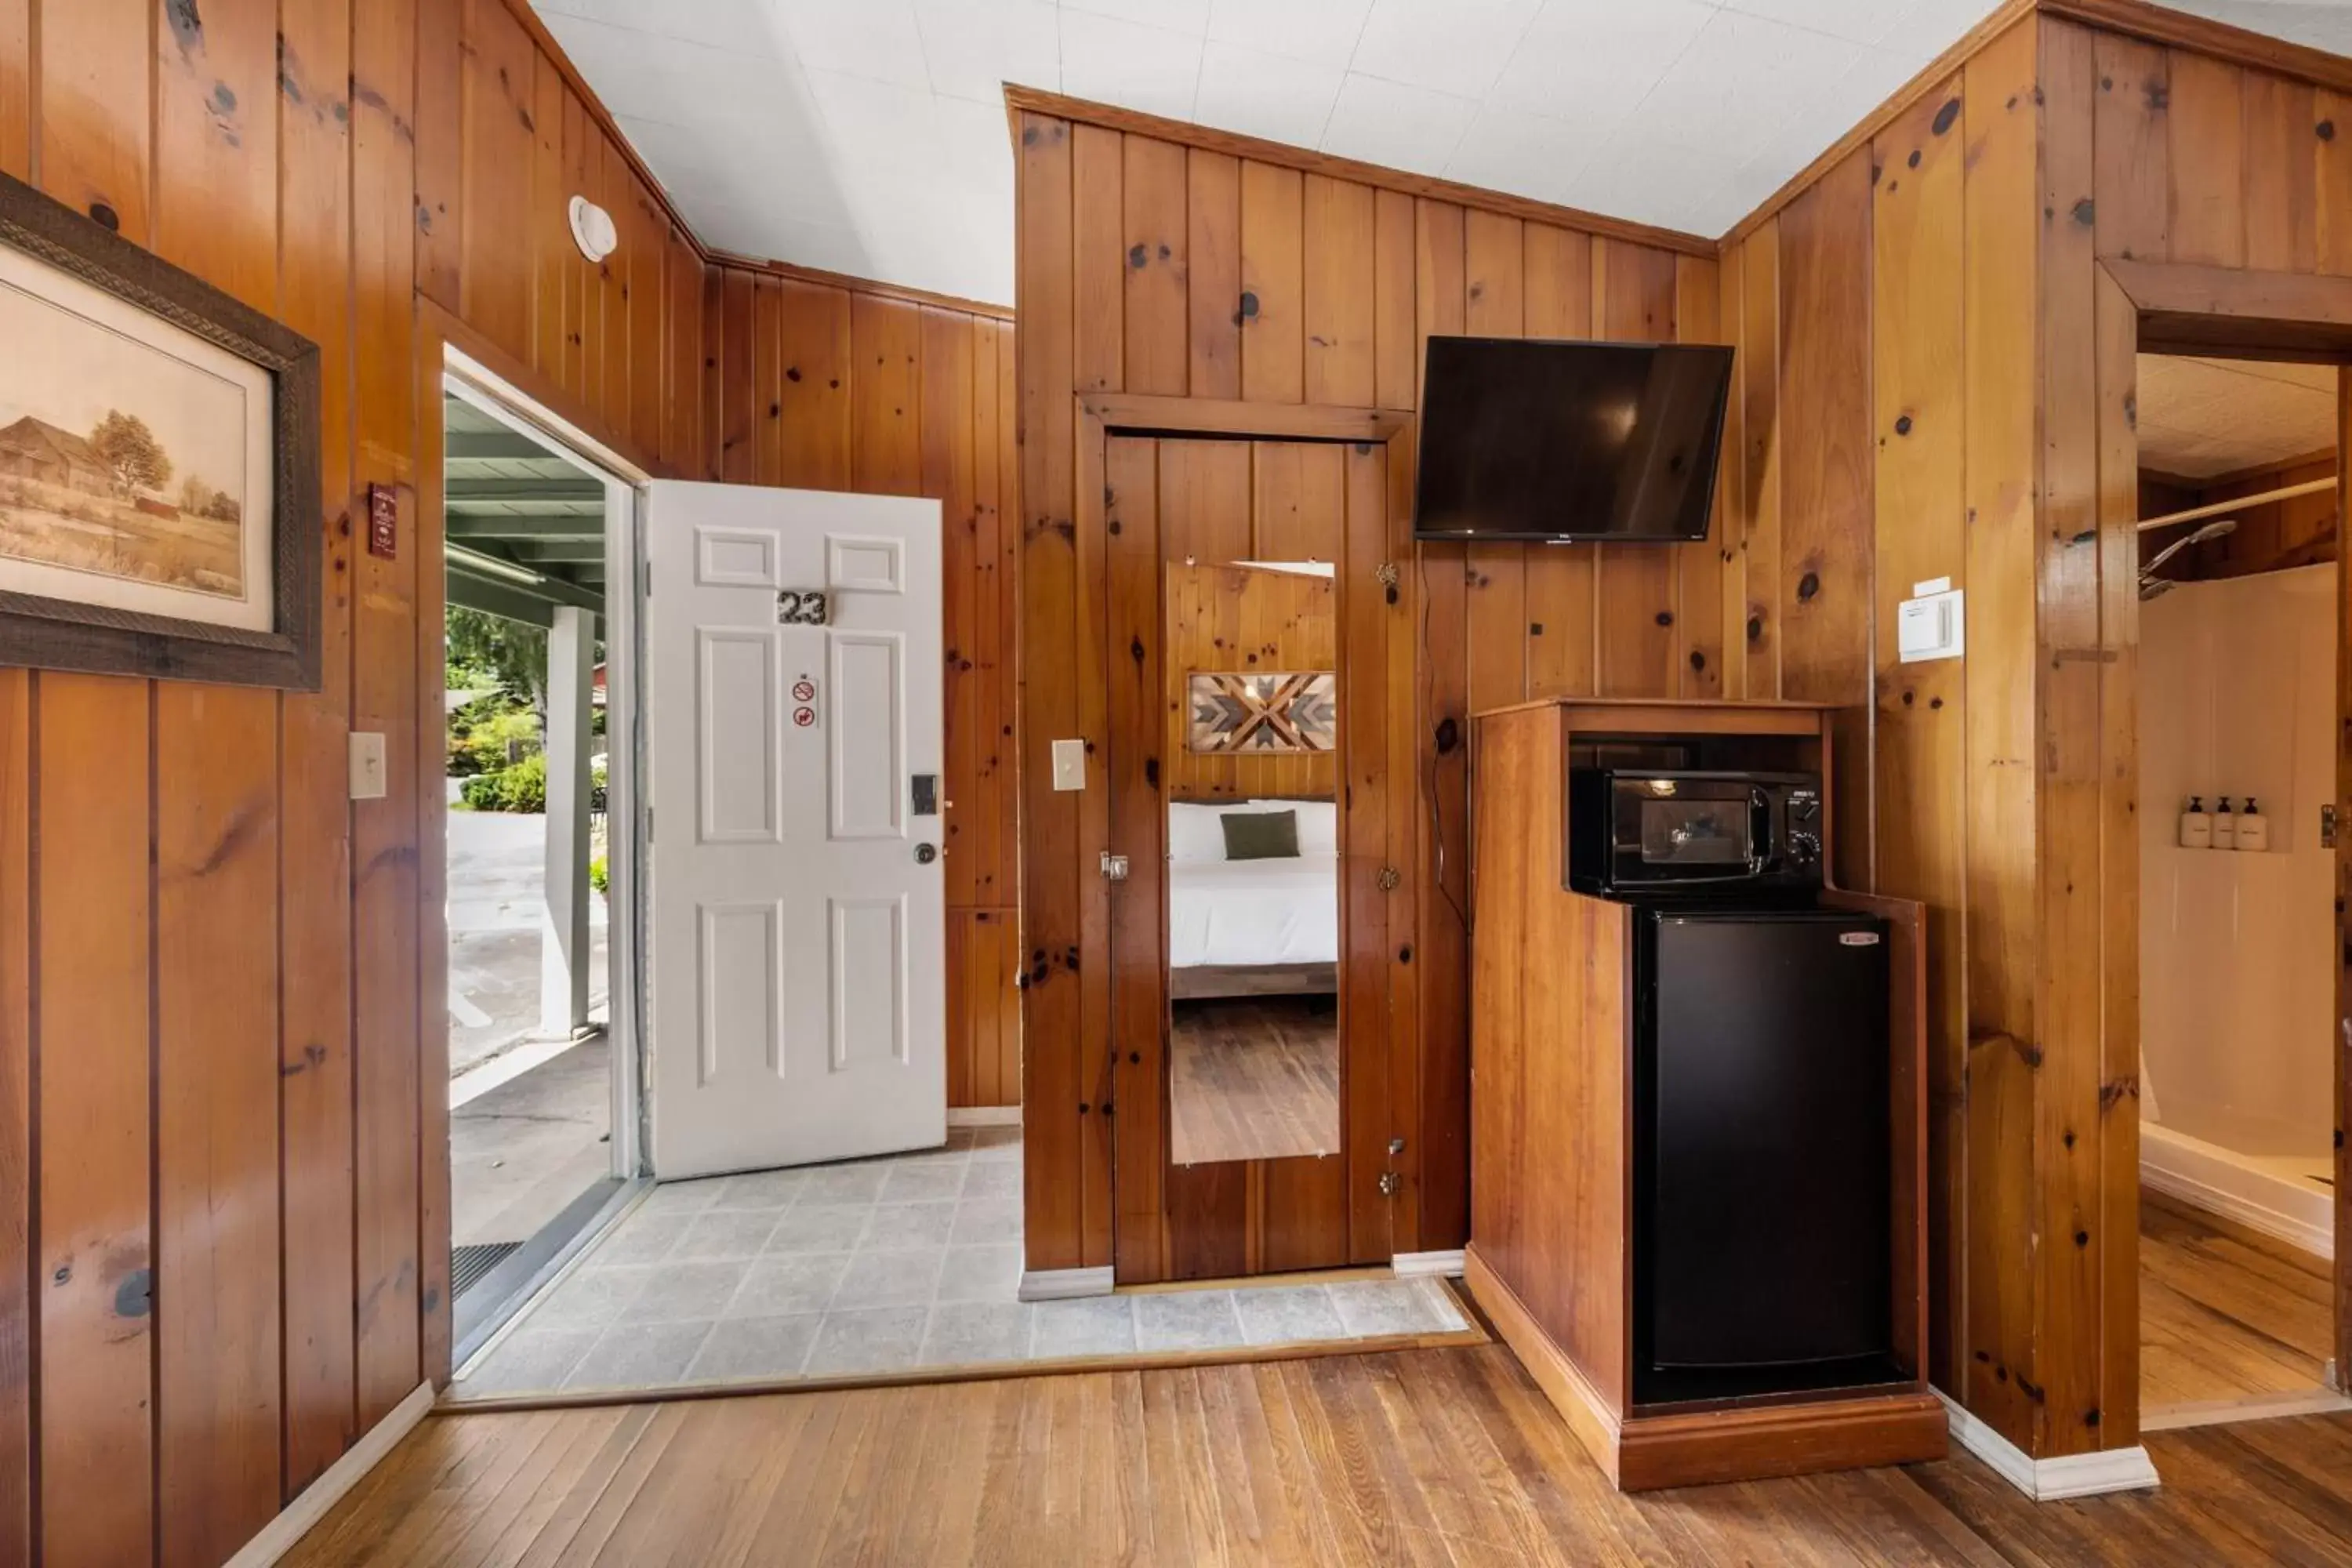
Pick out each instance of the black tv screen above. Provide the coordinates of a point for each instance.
(1528, 439)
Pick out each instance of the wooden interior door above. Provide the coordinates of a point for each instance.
(1179, 510)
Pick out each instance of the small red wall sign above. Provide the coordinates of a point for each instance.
(383, 522)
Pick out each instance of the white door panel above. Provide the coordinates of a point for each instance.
(798, 924)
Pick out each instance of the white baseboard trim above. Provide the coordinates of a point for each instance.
(2194, 1179)
(984, 1116)
(299, 1518)
(1063, 1284)
(2052, 1480)
(1411, 1265)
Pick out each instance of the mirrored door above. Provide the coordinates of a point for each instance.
(1250, 988)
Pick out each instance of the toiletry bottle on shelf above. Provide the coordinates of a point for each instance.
(2196, 827)
(2225, 825)
(2254, 827)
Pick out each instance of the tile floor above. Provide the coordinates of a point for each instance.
(876, 1265)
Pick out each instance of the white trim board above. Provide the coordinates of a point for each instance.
(299, 1518)
(1063, 1284)
(2050, 1480)
(984, 1116)
(1413, 1265)
(2307, 1231)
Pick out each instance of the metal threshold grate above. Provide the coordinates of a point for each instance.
(467, 1265)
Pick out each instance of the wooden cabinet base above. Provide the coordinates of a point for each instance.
(1645, 1453)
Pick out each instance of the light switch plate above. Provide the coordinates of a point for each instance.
(367, 764)
(1069, 764)
(1933, 626)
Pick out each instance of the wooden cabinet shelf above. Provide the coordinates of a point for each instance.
(1551, 1254)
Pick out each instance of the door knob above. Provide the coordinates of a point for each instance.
(1114, 867)
(926, 853)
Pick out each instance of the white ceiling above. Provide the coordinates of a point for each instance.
(868, 136)
(2200, 417)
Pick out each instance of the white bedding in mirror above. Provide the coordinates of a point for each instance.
(1240, 912)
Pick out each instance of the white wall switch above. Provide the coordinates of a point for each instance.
(1069, 764)
(367, 764)
(1933, 626)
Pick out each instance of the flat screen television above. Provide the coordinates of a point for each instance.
(1522, 438)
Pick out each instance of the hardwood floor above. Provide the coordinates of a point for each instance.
(1255, 1078)
(1425, 1457)
(2225, 1315)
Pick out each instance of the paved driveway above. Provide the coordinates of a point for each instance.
(497, 895)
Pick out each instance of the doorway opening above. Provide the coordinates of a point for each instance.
(2239, 654)
(536, 731)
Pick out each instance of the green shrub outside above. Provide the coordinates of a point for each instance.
(522, 787)
(479, 734)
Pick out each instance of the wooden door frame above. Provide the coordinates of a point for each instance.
(1141, 1245)
(2155, 308)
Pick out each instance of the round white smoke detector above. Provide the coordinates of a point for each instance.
(593, 230)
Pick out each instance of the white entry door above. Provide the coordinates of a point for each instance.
(798, 1006)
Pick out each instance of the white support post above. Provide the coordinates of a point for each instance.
(563, 923)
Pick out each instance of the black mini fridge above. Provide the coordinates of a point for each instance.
(1761, 1192)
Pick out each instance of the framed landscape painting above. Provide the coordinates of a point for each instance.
(159, 465)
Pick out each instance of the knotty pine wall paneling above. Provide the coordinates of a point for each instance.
(826, 385)
(1262, 276)
(219, 1121)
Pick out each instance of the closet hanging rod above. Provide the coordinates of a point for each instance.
(2309, 487)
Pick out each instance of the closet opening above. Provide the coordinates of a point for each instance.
(2239, 660)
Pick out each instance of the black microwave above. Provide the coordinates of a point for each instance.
(1711, 832)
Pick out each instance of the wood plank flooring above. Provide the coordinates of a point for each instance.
(1423, 1457)
(2225, 1315)
(1253, 1079)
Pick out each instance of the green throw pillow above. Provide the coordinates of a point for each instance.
(1261, 834)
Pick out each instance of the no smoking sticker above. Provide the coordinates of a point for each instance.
(803, 690)
(804, 717)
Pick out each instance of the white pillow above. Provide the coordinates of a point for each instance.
(1319, 823)
(1194, 834)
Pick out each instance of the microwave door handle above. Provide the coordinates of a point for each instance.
(1760, 831)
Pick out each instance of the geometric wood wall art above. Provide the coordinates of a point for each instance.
(1262, 715)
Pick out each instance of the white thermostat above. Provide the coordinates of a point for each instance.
(1931, 624)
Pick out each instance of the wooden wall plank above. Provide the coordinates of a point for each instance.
(1340, 266)
(1370, 794)
(1699, 568)
(1396, 348)
(1563, 621)
(1053, 1082)
(1273, 297)
(384, 699)
(2070, 1112)
(1826, 489)
(1441, 1174)
(2131, 132)
(815, 412)
(18, 1115)
(2332, 219)
(766, 419)
(1213, 185)
(947, 477)
(1137, 698)
(1918, 340)
(682, 410)
(2282, 182)
(738, 388)
(991, 814)
(1731, 314)
(216, 148)
(437, 71)
(553, 251)
(1759, 476)
(1155, 229)
(498, 63)
(94, 58)
(216, 1118)
(583, 315)
(1099, 262)
(1633, 302)
(92, 969)
(2001, 350)
(886, 435)
(1494, 295)
(2207, 158)
(16, 88)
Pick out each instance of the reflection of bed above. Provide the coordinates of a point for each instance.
(1253, 928)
